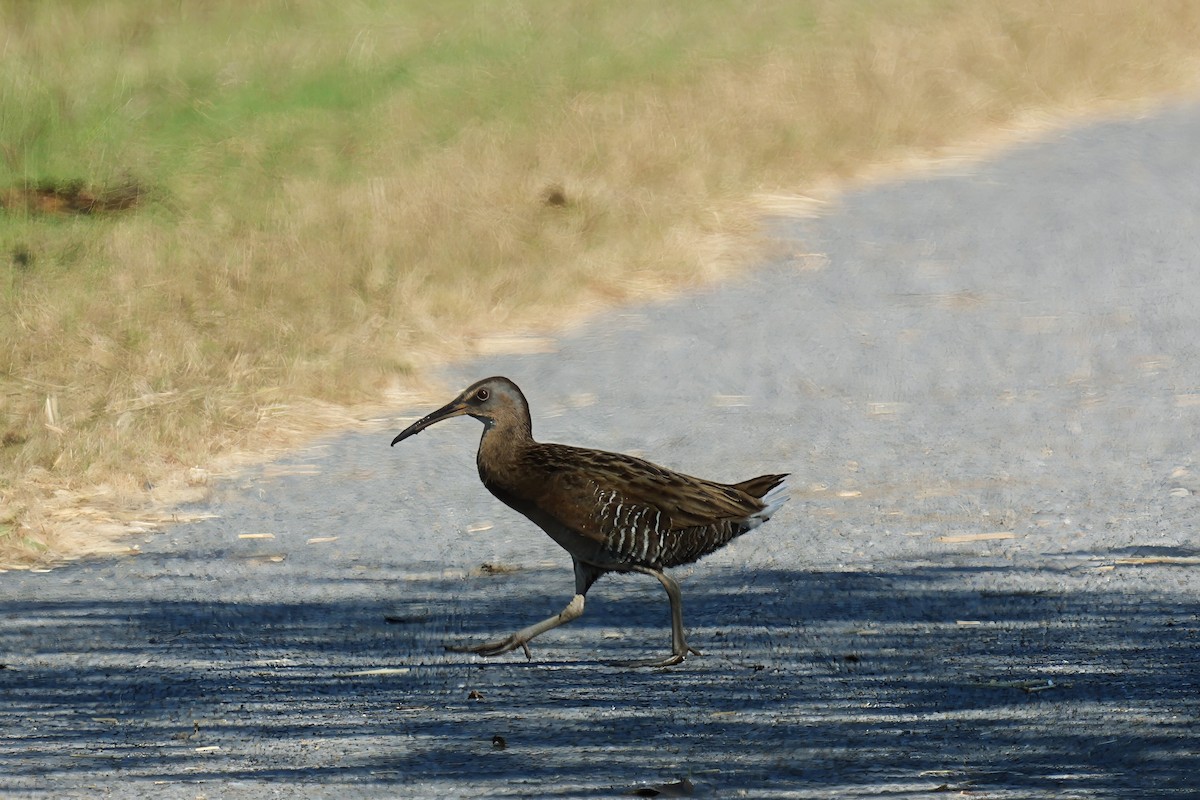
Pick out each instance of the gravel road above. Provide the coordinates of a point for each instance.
(986, 383)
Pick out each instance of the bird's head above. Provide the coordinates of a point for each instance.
(493, 401)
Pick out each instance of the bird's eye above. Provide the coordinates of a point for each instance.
(482, 395)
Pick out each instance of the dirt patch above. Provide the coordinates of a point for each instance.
(72, 197)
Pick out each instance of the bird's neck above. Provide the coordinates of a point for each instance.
(503, 443)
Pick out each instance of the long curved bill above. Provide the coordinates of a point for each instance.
(454, 408)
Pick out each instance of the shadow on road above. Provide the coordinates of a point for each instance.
(810, 682)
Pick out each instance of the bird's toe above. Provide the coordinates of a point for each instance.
(669, 661)
(493, 648)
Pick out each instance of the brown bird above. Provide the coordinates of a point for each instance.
(611, 512)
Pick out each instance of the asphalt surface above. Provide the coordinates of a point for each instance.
(986, 383)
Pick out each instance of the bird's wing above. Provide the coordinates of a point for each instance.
(597, 494)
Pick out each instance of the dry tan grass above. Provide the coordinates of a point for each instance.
(300, 263)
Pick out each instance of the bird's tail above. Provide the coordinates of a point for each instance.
(772, 490)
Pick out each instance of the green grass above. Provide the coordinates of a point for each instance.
(340, 194)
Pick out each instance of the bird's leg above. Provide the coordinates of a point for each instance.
(679, 645)
(521, 638)
(585, 576)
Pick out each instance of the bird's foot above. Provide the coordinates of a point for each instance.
(669, 661)
(494, 647)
